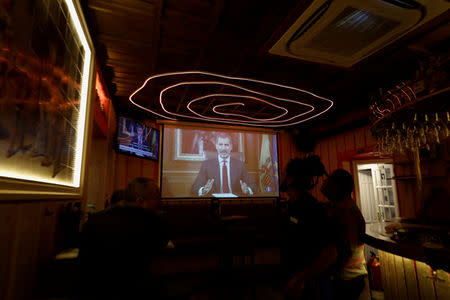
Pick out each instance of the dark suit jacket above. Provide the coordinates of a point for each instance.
(210, 169)
(116, 250)
(135, 143)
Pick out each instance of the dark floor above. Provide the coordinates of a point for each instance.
(246, 283)
(240, 284)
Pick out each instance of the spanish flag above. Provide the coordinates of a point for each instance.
(266, 167)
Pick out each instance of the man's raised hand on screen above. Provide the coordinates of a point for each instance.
(207, 187)
(245, 188)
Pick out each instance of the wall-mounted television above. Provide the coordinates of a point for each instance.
(137, 139)
(200, 161)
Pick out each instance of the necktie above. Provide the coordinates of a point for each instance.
(225, 188)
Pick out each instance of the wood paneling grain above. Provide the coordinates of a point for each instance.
(8, 223)
(324, 154)
(31, 234)
(340, 142)
(426, 284)
(400, 277)
(332, 154)
(360, 138)
(407, 279)
(349, 139)
(24, 256)
(392, 277)
(120, 172)
(442, 284)
(411, 282)
(385, 275)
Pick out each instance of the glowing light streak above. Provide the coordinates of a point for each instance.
(84, 92)
(104, 100)
(238, 103)
(382, 112)
(234, 95)
(392, 103)
(401, 89)
(397, 98)
(227, 84)
(169, 115)
(409, 98)
(412, 91)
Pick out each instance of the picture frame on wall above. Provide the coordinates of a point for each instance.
(196, 145)
(46, 77)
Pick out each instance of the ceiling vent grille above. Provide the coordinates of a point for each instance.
(343, 32)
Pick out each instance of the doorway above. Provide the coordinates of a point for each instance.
(377, 191)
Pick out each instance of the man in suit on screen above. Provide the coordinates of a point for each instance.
(223, 174)
(139, 141)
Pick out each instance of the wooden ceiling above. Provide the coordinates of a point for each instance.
(138, 38)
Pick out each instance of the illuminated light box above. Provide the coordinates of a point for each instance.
(44, 103)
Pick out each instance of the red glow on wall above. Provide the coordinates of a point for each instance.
(102, 95)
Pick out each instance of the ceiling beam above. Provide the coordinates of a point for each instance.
(122, 8)
(213, 21)
(103, 37)
(127, 63)
(156, 34)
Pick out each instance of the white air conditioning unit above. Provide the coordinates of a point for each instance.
(344, 32)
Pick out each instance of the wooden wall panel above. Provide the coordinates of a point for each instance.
(332, 154)
(8, 222)
(370, 140)
(349, 139)
(360, 138)
(316, 192)
(411, 279)
(442, 285)
(50, 213)
(385, 275)
(287, 149)
(121, 171)
(30, 235)
(24, 256)
(328, 149)
(332, 148)
(150, 169)
(324, 154)
(426, 285)
(127, 168)
(391, 277)
(134, 168)
(400, 277)
(407, 279)
(340, 143)
(96, 173)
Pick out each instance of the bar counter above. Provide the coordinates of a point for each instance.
(411, 269)
(435, 254)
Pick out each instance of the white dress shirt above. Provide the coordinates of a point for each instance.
(221, 161)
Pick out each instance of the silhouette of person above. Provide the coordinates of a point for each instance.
(306, 238)
(348, 227)
(118, 245)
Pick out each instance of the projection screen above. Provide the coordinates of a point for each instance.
(218, 162)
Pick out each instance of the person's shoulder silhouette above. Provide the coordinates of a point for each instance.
(119, 244)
